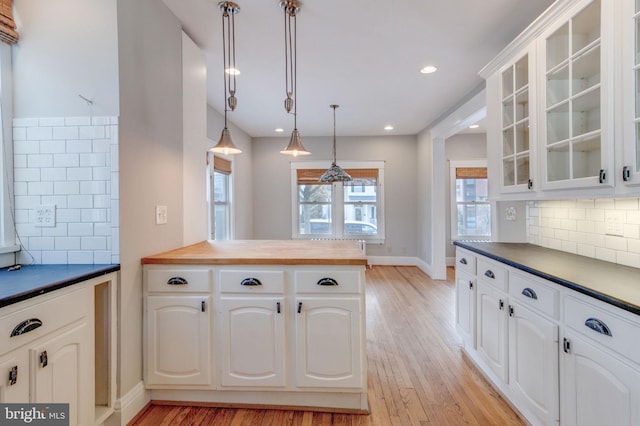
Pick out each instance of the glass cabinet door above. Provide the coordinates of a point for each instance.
(516, 155)
(631, 167)
(573, 152)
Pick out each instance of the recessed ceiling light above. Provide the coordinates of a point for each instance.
(474, 126)
(232, 71)
(388, 127)
(428, 69)
(279, 130)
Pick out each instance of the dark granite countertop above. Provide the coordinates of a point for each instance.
(34, 280)
(615, 284)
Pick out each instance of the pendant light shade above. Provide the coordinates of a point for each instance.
(334, 173)
(291, 9)
(229, 10)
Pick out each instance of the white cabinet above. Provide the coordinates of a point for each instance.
(61, 369)
(466, 308)
(517, 124)
(328, 342)
(492, 329)
(178, 340)
(177, 337)
(14, 371)
(630, 167)
(598, 389)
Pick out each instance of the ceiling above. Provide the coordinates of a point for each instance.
(364, 55)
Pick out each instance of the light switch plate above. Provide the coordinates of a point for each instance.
(161, 215)
(45, 216)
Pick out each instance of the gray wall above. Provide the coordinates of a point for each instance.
(66, 48)
(461, 147)
(424, 158)
(272, 185)
(150, 39)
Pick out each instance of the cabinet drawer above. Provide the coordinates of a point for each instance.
(533, 293)
(465, 261)
(41, 319)
(493, 273)
(328, 281)
(178, 280)
(603, 325)
(251, 281)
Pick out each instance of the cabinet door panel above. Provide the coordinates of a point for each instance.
(533, 363)
(466, 308)
(63, 372)
(17, 392)
(178, 336)
(252, 341)
(598, 388)
(328, 343)
(491, 324)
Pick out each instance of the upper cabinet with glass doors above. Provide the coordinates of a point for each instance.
(517, 101)
(630, 172)
(575, 112)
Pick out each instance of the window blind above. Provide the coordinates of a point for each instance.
(8, 32)
(360, 176)
(471, 172)
(221, 165)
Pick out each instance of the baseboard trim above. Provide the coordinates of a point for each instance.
(127, 407)
(400, 261)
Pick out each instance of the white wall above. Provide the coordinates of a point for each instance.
(151, 168)
(424, 197)
(66, 48)
(461, 147)
(272, 187)
(241, 175)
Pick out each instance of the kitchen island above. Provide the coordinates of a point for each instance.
(257, 323)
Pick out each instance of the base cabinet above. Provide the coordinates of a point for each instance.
(252, 341)
(598, 388)
(492, 329)
(178, 340)
(328, 350)
(466, 308)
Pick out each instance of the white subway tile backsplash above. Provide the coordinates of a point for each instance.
(579, 226)
(72, 163)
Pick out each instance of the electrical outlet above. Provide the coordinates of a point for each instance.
(45, 215)
(511, 214)
(161, 215)
(614, 222)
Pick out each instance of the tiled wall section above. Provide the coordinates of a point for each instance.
(72, 163)
(588, 227)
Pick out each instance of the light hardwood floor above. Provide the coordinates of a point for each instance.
(417, 373)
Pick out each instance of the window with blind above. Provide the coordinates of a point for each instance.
(340, 210)
(221, 198)
(470, 209)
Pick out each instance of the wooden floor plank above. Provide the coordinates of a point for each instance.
(417, 373)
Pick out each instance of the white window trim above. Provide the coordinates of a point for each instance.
(453, 165)
(295, 165)
(8, 234)
(211, 189)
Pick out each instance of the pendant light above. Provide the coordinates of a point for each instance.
(335, 173)
(229, 10)
(291, 8)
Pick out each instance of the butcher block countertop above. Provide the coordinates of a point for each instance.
(264, 252)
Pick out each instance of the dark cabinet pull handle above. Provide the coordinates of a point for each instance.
(44, 359)
(470, 285)
(602, 176)
(13, 375)
(529, 184)
(598, 326)
(530, 293)
(489, 273)
(26, 326)
(299, 307)
(327, 281)
(203, 306)
(463, 261)
(251, 282)
(626, 174)
(566, 345)
(177, 281)
(278, 307)
(501, 304)
(510, 310)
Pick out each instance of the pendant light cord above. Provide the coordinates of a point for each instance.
(334, 133)
(290, 58)
(225, 15)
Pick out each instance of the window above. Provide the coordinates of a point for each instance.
(470, 207)
(341, 210)
(221, 190)
(7, 227)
